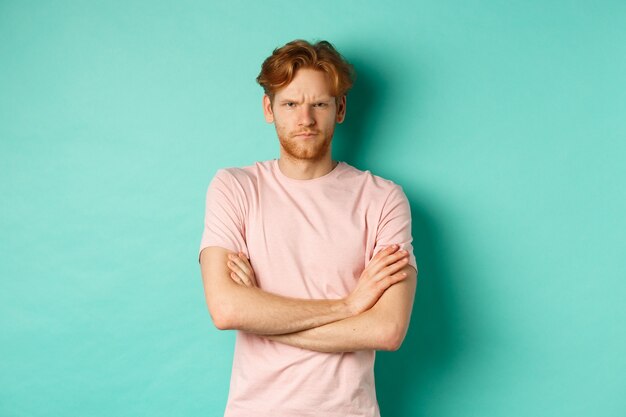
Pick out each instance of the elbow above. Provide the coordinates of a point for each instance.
(394, 336)
(395, 344)
(222, 307)
(220, 322)
(221, 317)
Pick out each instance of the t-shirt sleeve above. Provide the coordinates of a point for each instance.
(224, 224)
(395, 224)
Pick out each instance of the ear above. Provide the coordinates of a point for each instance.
(341, 109)
(267, 109)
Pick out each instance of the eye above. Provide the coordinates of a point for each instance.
(321, 104)
(290, 104)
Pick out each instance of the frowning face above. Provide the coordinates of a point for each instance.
(304, 114)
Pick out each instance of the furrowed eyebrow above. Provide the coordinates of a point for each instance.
(319, 100)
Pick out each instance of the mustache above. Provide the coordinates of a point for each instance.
(307, 132)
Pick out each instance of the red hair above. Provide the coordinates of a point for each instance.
(279, 68)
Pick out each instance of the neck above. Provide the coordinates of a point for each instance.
(300, 169)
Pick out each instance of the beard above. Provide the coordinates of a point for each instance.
(311, 149)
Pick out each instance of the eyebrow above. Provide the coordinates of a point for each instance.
(290, 100)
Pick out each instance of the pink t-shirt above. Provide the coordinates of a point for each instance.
(305, 239)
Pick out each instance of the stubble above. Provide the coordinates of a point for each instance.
(311, 149)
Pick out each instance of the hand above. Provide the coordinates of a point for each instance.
(381, 273)
(241, 270)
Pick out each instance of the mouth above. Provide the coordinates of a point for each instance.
(307, 134)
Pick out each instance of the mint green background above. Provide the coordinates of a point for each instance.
(503, 121)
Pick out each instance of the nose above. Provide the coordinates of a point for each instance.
(306, 116)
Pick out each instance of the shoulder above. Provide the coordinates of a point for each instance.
(375, 185)
(245, 174)
(242, 181)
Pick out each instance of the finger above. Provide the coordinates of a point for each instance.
(251, 274)
(391, 258)
(245, 260)
(387, 251)
(393, 268)
(389, 280)
(387, 260)
(378, 260)
(239, 273)
(253, 281)
(244, 278)
(240, 263)
(235, 278)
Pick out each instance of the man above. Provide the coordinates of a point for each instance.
(298, 254)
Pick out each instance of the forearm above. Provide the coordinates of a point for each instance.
(253, 310)
(383, 327)
(365, 331)
(250, 309)
(246, 307)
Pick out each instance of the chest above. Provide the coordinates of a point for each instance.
(310, 244)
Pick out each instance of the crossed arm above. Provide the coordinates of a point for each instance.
(382, 327)
(375, 315)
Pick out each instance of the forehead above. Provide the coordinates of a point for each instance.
(307, 82)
